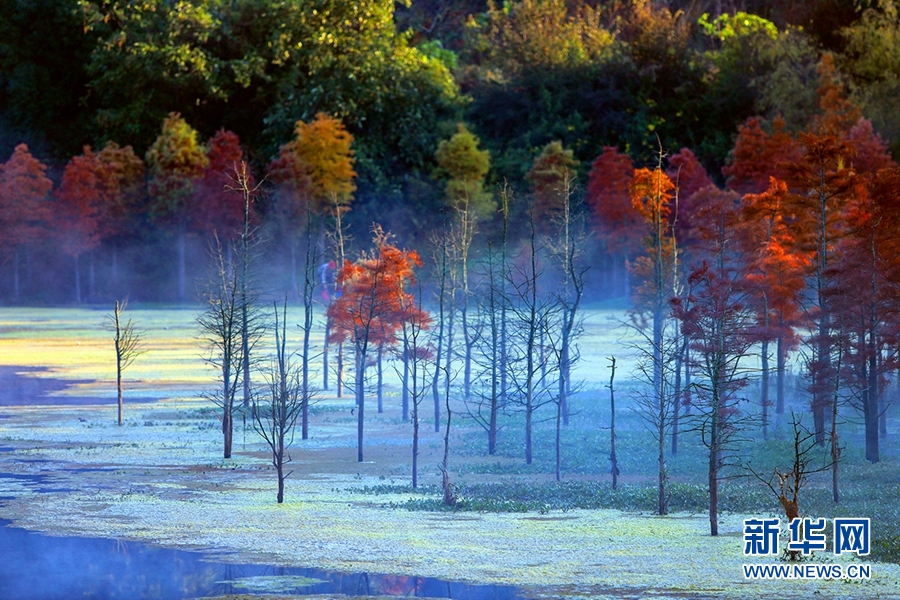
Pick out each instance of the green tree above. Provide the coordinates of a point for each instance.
(176, 161)
(539, 34)
(872, 58)
(44, 99)
(551, 176)
(256, 67)
(465, 167)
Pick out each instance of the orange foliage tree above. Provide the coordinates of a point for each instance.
(124, 188)
(24, 215)
(774, 281)
(652, 194)
(374, 303)
(315, 177)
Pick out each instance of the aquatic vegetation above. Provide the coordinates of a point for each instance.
(161, 479)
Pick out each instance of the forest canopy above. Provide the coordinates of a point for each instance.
(401, 79)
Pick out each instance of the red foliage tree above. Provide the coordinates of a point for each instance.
(839, 115)
(689, 177)
(822, 185)
(615, 221)
(716, 317)
(220, 208)
(81, 199)
(24, 214)
(757, 155)
(870, 151)
(863, 297)
(373, 304)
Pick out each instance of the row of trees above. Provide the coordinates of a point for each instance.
(797, 252)
(399, 78)
(505, 326)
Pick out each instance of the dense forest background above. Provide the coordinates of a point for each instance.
(249, 78)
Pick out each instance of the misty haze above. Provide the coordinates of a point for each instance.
(449, 299)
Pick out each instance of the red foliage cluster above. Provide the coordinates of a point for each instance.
(375, 300)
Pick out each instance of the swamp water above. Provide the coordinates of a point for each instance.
(34, 566)
(41, 567)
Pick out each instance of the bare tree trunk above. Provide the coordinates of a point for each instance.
(119, 386)
(309, 287)
(764, 384)
(780, 352)
(612, 423)
(380, 376)
(449, 496)
(339, 375)
(227, 430)
(872, 392)
(405, 392)
(676, 400)
(280, 471)
(448, 352)
(77, 280)
(713, 493)
(415, 445)
(325, 354)
(360, 400)
(558, 446)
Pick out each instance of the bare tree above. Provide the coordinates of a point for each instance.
(220, 329)
(417, 354)
(488, 401)
(242, 183)
(309, 286)
(530, 307)
(613, 459)
(787, 483)
(127, 343)
(653, 401)
(445, 320)
(450, 498)
(568, 249)
(651, 194)
(465, 228)
(281, 403)
(338, 239)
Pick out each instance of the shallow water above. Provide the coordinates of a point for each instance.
(40, 567)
